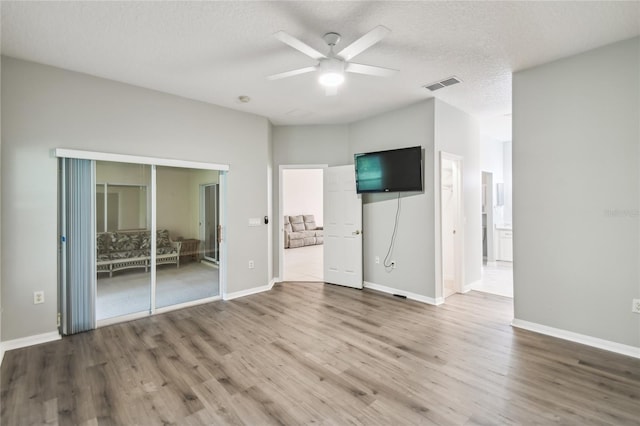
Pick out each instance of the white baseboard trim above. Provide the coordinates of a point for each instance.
(468, 287)
(23, 342)
(595, 342)
(248, 292)
(407, 294)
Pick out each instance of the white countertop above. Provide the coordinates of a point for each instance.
(504, 227)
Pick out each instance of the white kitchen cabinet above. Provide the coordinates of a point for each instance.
(505, 245)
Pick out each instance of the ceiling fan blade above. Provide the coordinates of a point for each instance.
(364, 42)
(331, 91)
(291, 73)
(298, 45)
(370, 70)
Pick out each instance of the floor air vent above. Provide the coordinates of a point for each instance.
(443, 83)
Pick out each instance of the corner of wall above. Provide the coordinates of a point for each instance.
(1, 310)
(270, 198)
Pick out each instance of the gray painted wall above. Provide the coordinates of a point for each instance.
(414, 249)
(576, 143)
(298, 145)
(45, 108)
(1, 350)
(456, 132)
(507, 151)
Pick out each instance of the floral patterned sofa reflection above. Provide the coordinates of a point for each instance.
(131, 249)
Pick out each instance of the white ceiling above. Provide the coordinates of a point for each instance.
(217, 51)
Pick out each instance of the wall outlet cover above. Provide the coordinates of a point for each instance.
(635, 307)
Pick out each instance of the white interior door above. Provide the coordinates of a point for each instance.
(342, 227)
(451, 231)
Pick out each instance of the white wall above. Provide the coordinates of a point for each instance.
(302, 189)
(507, 150)
(45, 108)
(492, 157)
(458, 133)
(576, 146)
(492, 161)
(414, 249)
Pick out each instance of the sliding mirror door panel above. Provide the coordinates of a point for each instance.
(185, 267)
(123, 239)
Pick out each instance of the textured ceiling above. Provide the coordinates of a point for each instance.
(217, 51)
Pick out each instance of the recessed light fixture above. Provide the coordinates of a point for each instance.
(244, 99)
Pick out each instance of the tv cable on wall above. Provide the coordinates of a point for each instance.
(388, 264)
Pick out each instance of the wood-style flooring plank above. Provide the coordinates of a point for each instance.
(309, 353)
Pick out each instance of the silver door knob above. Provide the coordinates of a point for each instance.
(357, 232)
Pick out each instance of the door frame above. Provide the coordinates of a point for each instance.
(459, 235)
(203, 230)
(280, 221)
(489, 211)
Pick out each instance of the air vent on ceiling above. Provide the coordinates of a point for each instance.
(443, 83)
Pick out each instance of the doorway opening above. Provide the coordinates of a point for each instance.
(451, 230)
(497, 240)
(302, 222)
(488, 252)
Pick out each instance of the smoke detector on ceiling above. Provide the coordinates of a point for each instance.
(443, 83)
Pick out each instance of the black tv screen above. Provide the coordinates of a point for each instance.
(389, 171)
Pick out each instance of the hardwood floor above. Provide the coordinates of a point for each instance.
(312, 353)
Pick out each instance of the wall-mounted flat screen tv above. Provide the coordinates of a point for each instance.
(389, 171)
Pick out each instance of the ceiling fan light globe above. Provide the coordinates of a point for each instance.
(331, 79)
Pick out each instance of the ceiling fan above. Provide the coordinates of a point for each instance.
(332, 66)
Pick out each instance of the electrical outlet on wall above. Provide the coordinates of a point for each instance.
(635, 307)
(251, 264)
(38, 297)
(377, 259)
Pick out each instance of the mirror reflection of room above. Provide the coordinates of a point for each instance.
(186, 259)
(123, 208)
